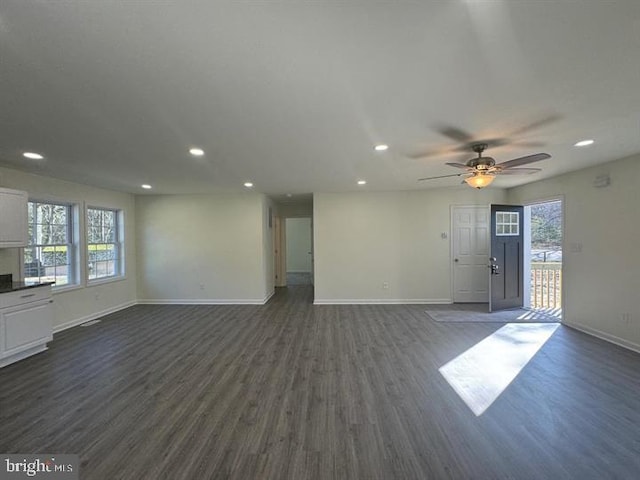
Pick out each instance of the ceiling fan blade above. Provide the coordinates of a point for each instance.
(441, 176)
(518, 171)
(423, 154)
(529, 144)
(433, 152)
(536, 124)
(455, 134)
(489, 142)
(457, 165)
(516, 162)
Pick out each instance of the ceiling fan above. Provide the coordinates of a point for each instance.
(481, 171)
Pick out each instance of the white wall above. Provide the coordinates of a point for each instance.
(298, 237)
(601, 263)
(86, 302)
(362, 240)
(202, 248)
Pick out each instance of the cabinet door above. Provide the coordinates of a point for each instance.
(26, 327)
(13, 218)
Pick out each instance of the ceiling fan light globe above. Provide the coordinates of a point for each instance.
(480, 180)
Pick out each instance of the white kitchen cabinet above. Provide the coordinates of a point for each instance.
(25, 323)
(13, 218)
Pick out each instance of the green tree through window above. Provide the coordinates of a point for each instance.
(50, 253)
(546, 226)
(103, 245)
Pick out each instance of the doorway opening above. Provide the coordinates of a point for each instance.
(299, 251)
(543, 257)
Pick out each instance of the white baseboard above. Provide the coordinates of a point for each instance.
(203, 301)
(268, 296)
(102, 313)
(381, 301)
(92, 316)
(603, 336)
(24, 354)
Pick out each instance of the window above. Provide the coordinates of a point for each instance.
(50, 254)
(104, 250)
(507, 223)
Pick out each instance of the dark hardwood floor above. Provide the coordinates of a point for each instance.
(295, 391)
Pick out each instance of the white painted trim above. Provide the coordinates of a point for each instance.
(603, 336)
(104, 280)
(268, 296)
(203, 301)
(565, 247)
(526, 294)
(65, 288)
(22, 355)
(102, 313)
(92, 316)
(382, 301)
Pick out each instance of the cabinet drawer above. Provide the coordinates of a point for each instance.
(27, 326)
(22, 297)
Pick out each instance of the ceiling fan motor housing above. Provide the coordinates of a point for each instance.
(481, 163)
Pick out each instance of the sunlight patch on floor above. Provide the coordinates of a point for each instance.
(483, 372)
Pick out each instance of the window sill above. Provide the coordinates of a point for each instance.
(101, 281)
(66, 288)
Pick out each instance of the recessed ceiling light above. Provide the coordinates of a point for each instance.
(248, 184)
(196, 152)
(146, 186)
(362, 182)
(289, 195)
(584, 143)
(32, 155)
(381, 148)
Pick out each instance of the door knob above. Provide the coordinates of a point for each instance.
(455, 259)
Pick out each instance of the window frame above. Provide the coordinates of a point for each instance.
(507, 224)
(72, 245)
(118, 246)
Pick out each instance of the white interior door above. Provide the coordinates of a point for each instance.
(470, 253)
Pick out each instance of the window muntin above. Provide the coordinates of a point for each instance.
(103, 244)
(507, 224)
(50, 254)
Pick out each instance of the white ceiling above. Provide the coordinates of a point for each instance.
(294, 95)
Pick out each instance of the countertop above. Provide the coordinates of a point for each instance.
(7, 287)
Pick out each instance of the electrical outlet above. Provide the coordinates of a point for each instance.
(385, 285)
(626, 318)
(202, 286)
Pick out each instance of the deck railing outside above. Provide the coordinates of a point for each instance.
(546, 285)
